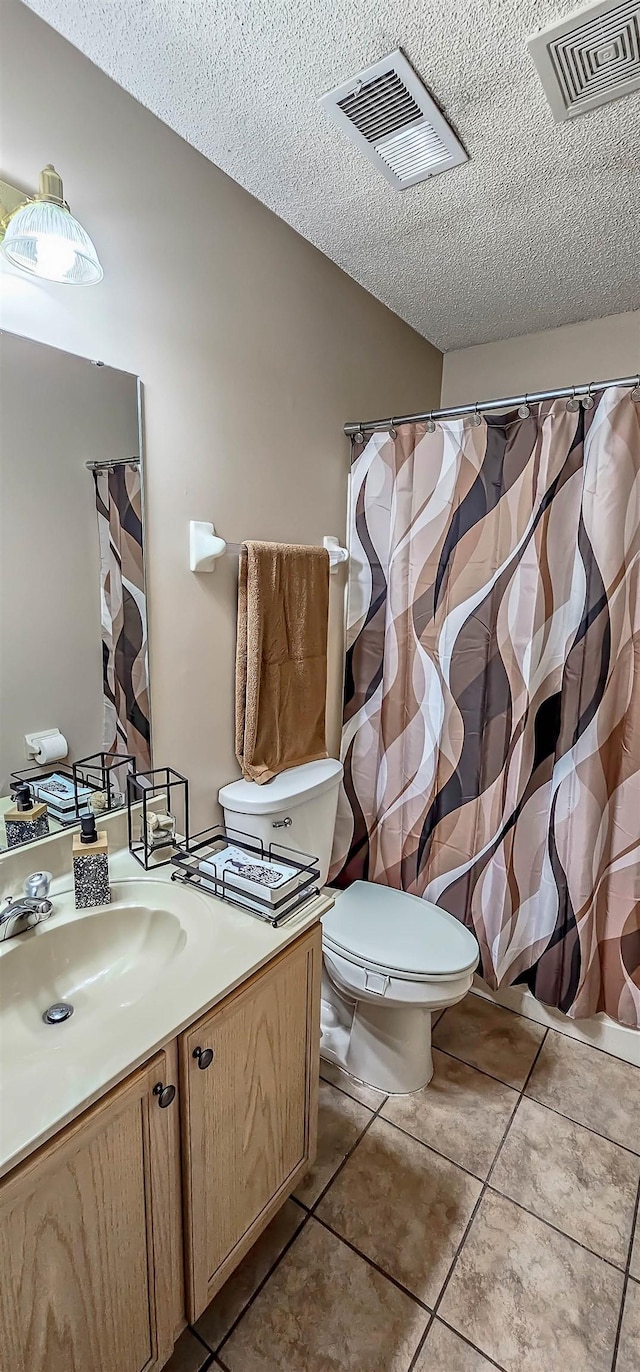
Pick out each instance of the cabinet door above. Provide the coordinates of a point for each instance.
(81, 1256)
(248, 1116)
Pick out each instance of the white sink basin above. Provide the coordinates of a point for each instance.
(115, 956)
(101, 961)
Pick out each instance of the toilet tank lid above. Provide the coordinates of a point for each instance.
(290, 788)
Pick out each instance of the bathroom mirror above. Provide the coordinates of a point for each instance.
(73, 623)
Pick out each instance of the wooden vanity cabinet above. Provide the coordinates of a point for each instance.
(88, 1239)
(94, 1248)
(249, 1081)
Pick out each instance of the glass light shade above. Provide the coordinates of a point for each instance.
(45, 239)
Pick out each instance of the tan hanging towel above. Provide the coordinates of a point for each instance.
(281, 657)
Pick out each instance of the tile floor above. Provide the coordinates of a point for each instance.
(485, 1222)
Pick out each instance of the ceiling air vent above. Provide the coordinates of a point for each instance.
(590, 58)
(390, 116)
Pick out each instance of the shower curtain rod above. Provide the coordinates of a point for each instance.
(504, 404)
(108, 462)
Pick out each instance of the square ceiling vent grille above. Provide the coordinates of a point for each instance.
(388, 113)
(590, 58)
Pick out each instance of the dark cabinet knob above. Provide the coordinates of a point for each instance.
(165, 1094)
(203, 1057)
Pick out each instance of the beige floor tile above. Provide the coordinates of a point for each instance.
(443, 1351)
(403, 1206)
(367, 1095)
(188, 1355)
(326, 1310)
(582, 1183)
(590, 1087)
(340, 1122)
(462, 1113)
(488, 1037)
(635, 1256)
(224, 1309)
(530, 1298)
(629, 1348)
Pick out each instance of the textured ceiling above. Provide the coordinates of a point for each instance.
(541, 227)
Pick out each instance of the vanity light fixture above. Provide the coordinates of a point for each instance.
(40, 236)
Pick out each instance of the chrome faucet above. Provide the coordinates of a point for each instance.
(30, 909)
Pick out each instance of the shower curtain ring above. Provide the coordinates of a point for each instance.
(587, 400)
(393, 433)
(573, 404)
(635, 394)
(476, 417)
(524, 410)
(430, 425)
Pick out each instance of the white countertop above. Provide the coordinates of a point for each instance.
(50, 1074)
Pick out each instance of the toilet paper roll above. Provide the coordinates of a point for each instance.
(51, 749)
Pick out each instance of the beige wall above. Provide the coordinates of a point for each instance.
(595, 350)
(56, 413)
(253, 350)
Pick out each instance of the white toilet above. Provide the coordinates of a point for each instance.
(390, 959)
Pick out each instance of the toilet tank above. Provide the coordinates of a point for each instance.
(296, 809)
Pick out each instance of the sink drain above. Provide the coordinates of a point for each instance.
(57, 1013)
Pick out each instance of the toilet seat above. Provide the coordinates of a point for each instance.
(390, 933)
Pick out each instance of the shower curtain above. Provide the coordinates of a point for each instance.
(125, 669)
(491, 738)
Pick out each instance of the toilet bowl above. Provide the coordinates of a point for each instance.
(389, 959)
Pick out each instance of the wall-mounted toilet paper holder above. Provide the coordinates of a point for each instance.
(48, 745)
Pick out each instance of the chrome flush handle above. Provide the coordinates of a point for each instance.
(282, 823)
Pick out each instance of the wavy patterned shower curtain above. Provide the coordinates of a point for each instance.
(125, 668)
(491, 734)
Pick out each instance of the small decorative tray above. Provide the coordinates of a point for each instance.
(298, 873)
(70, 809)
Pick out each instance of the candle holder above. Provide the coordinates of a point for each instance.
(106, 776)
(157, 815)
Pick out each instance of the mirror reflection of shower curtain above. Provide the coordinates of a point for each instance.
(125, 668)
(491, 735)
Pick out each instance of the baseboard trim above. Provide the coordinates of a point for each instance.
(599, 1032)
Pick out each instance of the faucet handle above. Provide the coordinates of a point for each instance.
(37, 886)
